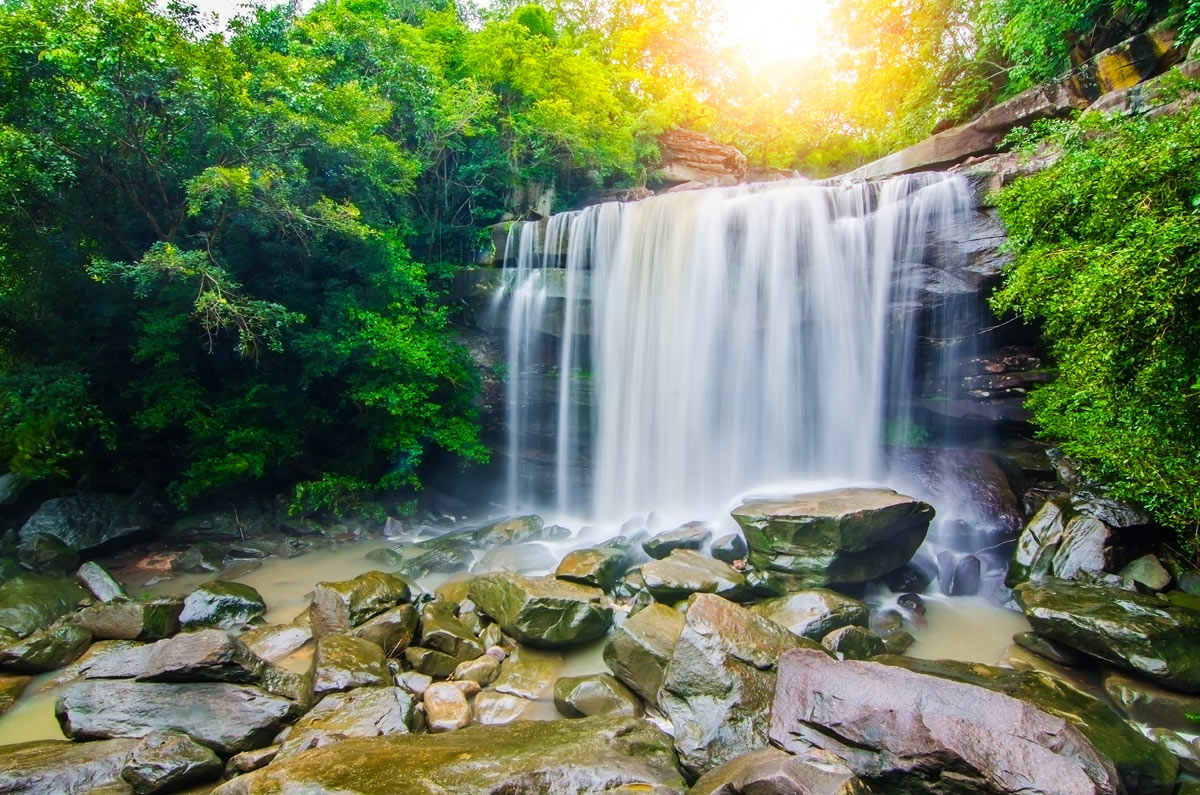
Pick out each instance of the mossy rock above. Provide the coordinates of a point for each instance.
(221, 604)
(542, 611)
(46, 650)
(35, 601)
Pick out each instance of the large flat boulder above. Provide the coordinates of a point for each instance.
(720, 681)
(45, 766)
(1147, 634)
(908, 732)
(225, 717)
(365, 712)
(846, 535)
(542, 611)
(89, 522)
(814, 613)
(578, 757)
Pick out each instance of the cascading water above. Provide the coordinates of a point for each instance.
(726, 338)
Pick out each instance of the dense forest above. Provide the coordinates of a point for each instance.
(225, 254)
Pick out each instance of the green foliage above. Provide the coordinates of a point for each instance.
(49, 420)
(1107, 258)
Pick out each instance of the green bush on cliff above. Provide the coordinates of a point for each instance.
(1107, 258)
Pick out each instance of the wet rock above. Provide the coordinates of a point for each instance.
(840, 536)
(1143, 702)
(638, 650)
(277, 641)
(720, 681)
(35, 601)
(365, 712)
(885, 622)
(528, 673)
(225, 717)
(1143, 633)
(904, 731)
(89, 522)
(169, 761)
(483, 670)
(339, 606)
(55, 766)
(513, 530)
(1044, 647)
(213, 655)
(108, 659)
(493, 708)
(46, 650)
(249, 761)
(93, 578)
(11, 688)
(221, 604)
(1094, 500)
(446, 707)
(598, 567)
(43, 552)
(344, 662)
(814, 613)
(11, 486)
(853, 643)
(958, 576)
(899, 642)
(1038, 543)
(595, 694)
(1147, 571)
(517, 559)
(441, 630)
(1184, 751)
(431, 662)
(729, 548)
(590, 755)
(912, 603)
(685, 572)
(1084, 548)
(392, 631)
(125, 620)
(440, 554)
(542, 611)
(765, 584)
(693, 536)
(770, 771)
(1142, 766)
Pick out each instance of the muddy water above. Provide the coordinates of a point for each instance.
(969, 629)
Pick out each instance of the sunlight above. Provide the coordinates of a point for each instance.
(772, 31)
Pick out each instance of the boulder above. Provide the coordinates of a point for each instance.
(853, 643)
(515, 530)
(441, 630)
(344, 662)
(814, 613)
(125, 620)
(392, 630)
(528, 673)
(90, 522)
(365, 712)
(1142, 766)
(108, 659)
(11, 688)
(590, 755)
(691, 157)
(249, 761)
(638, 650)
(770, 771)
(45, 553)
(1142, 702)
(849, 535)
(483, 670)
(169, 761)
(1084, 548)
(903, 731)
(225, 717)
(277, 641)
(684, 572)
(599, 567)
(213, 655)
(54, 766)
(446, 707)
(542, 611)
(730, 548)
(1038, 543)
(720, 681)
(221, 604)
(913, 577)
(431, 662)
(693, 536)
(1158, 639)
(517, 559)
(46, 650)
(1048, 649)
(1148, 572)
(35, 601)
(595, 694)
(11, 486)
(93, 578)
(958, 575)
(339, 606)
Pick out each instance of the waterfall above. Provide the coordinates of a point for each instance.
(705, 342)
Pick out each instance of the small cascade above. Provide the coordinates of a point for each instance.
(703, 343)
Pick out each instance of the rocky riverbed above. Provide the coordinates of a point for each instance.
(666, 660)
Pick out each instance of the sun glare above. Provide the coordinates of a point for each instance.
(773, 31)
